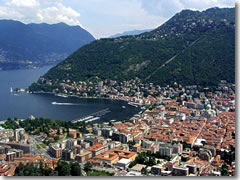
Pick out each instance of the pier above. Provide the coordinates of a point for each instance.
(91, 116)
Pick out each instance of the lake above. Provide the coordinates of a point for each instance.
(22, 105)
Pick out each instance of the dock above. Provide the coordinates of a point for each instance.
(92, 116)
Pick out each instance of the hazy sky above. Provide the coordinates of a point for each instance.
(103, 18)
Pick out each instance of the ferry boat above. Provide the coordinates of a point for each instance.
(72, 104)
(61, 95)
(133, 104)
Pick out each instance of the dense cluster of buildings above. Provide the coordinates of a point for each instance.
(192, 131)
(15, 149)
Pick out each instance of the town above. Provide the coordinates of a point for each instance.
(181, 131)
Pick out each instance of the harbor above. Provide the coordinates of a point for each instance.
(17, 101)
(93, 116)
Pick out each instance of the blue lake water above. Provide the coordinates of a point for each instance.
(22, 105)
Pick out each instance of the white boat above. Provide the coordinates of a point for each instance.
(61, 95)
(11, 89)
(123, 107)
(66, 104)
(133, 104)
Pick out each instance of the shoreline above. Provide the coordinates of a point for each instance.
(81, 97)
(28, 68)
(74, 96)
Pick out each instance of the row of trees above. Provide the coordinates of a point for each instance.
(63, 169)
(148, 158)
(43, 125)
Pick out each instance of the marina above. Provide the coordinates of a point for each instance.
(93, 116)
(92, 119)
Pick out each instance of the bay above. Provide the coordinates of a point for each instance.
(22, 105)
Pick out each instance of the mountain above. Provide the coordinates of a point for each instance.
(192, 48)
(38, 43)
(130, 33)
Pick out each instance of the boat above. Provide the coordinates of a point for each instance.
(67, 104)
(61, 95)
(133, 104)
(11, 89)
(123, 107)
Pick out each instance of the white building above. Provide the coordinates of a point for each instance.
(165, 151)
(19, 134)
(123, 163)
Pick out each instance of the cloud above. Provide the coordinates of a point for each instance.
(107, 17)
(103, 18)
(39, 11)
(58, 13)
(169, 8)
(116, 16)
(22, 3)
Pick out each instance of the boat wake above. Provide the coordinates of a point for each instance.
(65, 104)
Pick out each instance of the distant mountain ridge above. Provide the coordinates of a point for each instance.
(129, 33)
(39, 43)
(191, 48)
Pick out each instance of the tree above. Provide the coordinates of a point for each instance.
(224, 171)
(19, 170)
(76, 170)
(87, 166)
(28, 170)
(110, 123)
(47, 171)
(151, 161)
(133, 163)
(63, 168)
(131, 144)
(185, 145)
(58, 131)
(56, 138)
(144, 170)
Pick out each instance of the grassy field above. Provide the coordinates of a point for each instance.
(40, 146)
(43, 145)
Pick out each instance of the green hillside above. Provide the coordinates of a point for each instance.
(191, 48)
